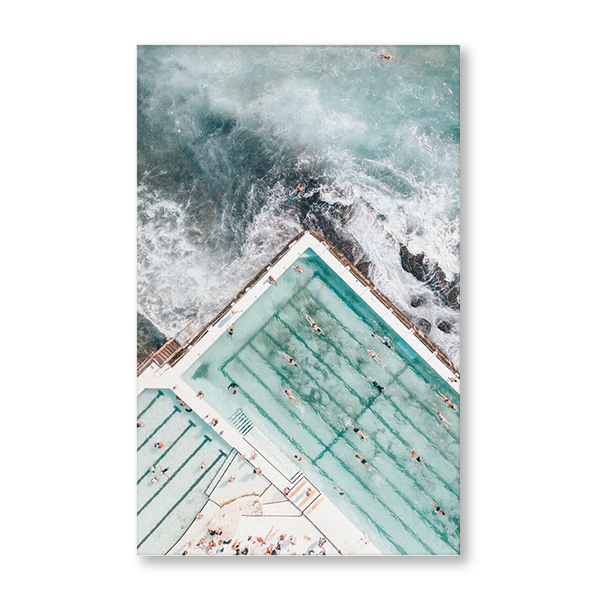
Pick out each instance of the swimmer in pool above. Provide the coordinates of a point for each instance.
(313, 324)
(374, 356)
(441, 416)
(340, 492)
(361, 435)
(384, 340)
(380, 388)
(386, 57)
(290, 360)
(415, 455)
(450, 404)
(291, 397)
(299, 269)
(438, 510)
(230, 331)
(363, 460)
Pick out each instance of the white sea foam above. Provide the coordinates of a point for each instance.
(226, 134)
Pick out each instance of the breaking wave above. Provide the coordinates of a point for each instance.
(225, 134)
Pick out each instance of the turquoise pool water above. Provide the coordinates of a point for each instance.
(167, 507)
(392, 503)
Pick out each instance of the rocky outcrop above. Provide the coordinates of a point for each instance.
(445, 326)
(431, 274)
(327, 219)
(424, 326)
(149, 338)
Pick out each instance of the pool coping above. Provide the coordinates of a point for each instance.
(177, 347)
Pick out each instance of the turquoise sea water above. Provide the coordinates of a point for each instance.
(392, 503)
(225, 134)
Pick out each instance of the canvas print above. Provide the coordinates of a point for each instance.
(298, 300)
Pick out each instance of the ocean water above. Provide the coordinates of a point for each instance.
(226, 133)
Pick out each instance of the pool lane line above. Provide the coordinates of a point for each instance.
(321, 416)
(221, 454)
(442, 480)
(409, 362)
(393, 404)
(420, 406)
(409, 477)
(259, 408)
(191, 424)
(302, 423)
(336, 349)
(171, 477)
(160, 393)
(175, 410)
(218, 475)
(276, 425)
(409, 504)
(432, 525)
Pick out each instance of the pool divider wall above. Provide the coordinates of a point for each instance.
(173, 350)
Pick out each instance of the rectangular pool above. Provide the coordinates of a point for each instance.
(392, 502)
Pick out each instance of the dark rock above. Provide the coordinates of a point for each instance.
(444, 326)
(363, 267)
(149, 338)
(416, 302)
(424, 326)
(431, 274)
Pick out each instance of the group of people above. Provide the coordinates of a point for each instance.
(270, 545)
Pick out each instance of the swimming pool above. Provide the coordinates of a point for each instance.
(392, 503)
(179, 442)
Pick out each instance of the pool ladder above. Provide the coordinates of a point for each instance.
(241, 422)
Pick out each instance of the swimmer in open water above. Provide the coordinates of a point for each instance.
(374, 356)
(380, 388)
(438, 510)
(450, 404)
(363, 460)
(441, 416)
(313, 324)
(415, 455)
(291, 397)
(361, 435)
(290, 360)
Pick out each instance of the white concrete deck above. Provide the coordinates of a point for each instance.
(277, 468)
